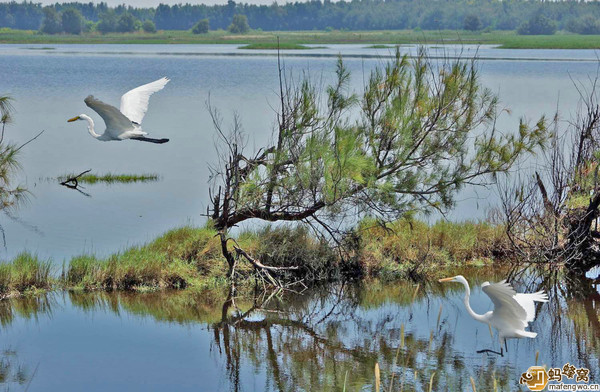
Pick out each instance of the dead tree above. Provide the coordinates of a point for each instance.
(552, 217)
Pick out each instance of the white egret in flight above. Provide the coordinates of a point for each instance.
(124, 123)
(512, 312)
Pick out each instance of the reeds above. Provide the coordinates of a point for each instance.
(111, 178)
(25, 273)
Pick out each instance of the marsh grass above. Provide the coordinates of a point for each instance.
(178, 259)
(413, 248)
(506, 39)
(25, 274)
(275, 46)
(191, 256)
(111, 178)
(379, 46)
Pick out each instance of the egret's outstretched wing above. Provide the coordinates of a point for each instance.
(505, 305)
(134, 103)
(527, 301)
(116, 122)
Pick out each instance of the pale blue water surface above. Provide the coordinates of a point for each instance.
(74, 342)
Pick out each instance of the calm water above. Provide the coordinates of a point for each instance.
(49, 87)
(311, 342)
(186, 341)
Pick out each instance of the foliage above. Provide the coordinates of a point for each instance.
(52, 22)
(421, 131)
(294, 246)
(148, 26)
(239, 25)
(201, 27)
(320, 15)
(126, 23)
(587, 24)
(72, 21)
(538, 24)
(108, 22)
(9, 165)
(472, 22)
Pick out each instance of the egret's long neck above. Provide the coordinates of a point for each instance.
(478, 317)
(90, 125)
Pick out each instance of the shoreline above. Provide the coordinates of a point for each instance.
(190, 258)
(296, 39)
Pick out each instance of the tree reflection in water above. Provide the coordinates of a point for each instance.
(330, 337)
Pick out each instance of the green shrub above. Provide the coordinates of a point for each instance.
(537, 25)
(287, 246)
(149, 27)
(239, 25)
(587, 24)
(201, 27)
(72, 21)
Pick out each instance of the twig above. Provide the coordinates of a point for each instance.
(29, 141)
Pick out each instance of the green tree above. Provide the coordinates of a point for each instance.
(126, 23)
(148, 26)
(9, 165)
(201, 27)
(538, 24)
(52, 23)
(472, 22)
(587, 24)
(108, 22)
(72, 21)
(89, 26)
(239, 25)
(419, 133)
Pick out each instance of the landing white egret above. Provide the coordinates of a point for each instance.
(512, 311)
(124, 123)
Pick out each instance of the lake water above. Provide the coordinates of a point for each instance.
(321, 340)
(49, 86)
(318, 341)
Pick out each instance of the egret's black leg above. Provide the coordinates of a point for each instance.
(491, 351)
(505, 345)
(147, 139)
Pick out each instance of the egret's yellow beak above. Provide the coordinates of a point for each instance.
(446, 279)
(73, 119)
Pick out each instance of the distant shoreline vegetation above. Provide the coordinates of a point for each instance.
(524, 16)
(289, 39)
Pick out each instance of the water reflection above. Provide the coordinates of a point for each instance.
(331, 337)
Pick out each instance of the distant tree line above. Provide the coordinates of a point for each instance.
(528, 17)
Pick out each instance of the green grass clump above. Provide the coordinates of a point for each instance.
(379, 46)
(135, 269)
(111, 178)
(409, 247)
(287, 246)
(24, 274)
(180, 258)
(191, 257)
(275, 45)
